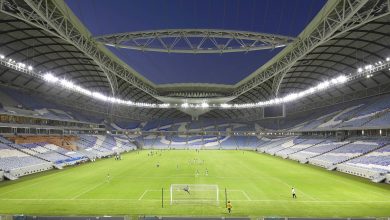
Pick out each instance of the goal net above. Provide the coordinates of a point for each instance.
(194, 194)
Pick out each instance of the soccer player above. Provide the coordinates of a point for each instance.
(293, 193)
(207, 172)
(187, 189)
(108, 177)
(229, 206)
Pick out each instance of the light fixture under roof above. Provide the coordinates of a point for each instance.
(368, 72)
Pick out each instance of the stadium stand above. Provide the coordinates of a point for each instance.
(298, 147)
(344, 153)
(373, 165)
(22, 159)
(317, 150)
(367, 158)
(14, 162)
(320, 97)
(181, 134)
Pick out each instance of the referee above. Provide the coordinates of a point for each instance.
(293, 193)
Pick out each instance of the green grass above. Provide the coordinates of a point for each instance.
(257, 185)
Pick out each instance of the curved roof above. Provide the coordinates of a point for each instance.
(359, 37)
(195, 41)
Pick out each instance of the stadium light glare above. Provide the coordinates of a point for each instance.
(342, 79)
(50, 78)
(366, 71)
(323, 85)
(290, 97)
(67, 84)
(100, 96)
(368, 67)
(184, 105)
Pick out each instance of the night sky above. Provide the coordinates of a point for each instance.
(285, 17)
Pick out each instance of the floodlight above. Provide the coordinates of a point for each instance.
(67, 84)
(184, 105)
(2, 56)
(360, 70)
(50, 78)
(323, 85)
(224, 105)
(368, 67)
(205, 105)
(30, 68)
(342, 79)
(99, 96)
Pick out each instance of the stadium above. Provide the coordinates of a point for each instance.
(193, 109)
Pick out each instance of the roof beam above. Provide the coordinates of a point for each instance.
(345, 15)
(47, 15)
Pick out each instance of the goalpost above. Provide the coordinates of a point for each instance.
(197, 194)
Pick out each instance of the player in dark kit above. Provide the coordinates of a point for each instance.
(187, 189)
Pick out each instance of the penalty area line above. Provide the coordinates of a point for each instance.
(246, 195)
(243, 192)
(143, 194)
(86, 191)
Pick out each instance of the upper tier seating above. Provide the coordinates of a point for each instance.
(381, 119)
(368, 112)
(14, 101)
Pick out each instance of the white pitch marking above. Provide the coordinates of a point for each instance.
(253, 200)
(243, 192)
(246, 195)
(143, 194)
(86, 191)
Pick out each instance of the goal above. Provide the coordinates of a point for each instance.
(197, 194)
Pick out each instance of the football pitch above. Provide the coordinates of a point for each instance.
(257, 185)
